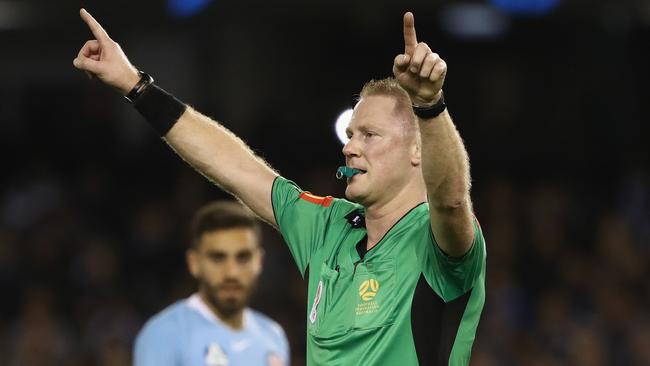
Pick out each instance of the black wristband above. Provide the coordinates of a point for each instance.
(433, 111)
(140, 87)
(161, 109)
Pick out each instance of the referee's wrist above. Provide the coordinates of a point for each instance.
(130, 82)
(431, 110)
(429, 103)
(160, 108)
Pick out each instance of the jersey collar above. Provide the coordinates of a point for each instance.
(196, 303)
(357, 217)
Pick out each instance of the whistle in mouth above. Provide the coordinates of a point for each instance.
(347, 172)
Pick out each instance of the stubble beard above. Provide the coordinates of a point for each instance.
(226, 307)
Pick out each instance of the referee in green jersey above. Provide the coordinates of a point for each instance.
(396, 271)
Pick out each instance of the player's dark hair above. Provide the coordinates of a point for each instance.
(221, 215)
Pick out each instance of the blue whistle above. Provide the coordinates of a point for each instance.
(344, 171)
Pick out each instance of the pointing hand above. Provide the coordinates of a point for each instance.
(420, 71)
(105, 59)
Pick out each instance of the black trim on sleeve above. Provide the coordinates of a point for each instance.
(362, 247)
(435, 324)
(275, 216)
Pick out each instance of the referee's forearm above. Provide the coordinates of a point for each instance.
(445, 163)
(224, 159)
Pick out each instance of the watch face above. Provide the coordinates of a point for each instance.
(143, 83)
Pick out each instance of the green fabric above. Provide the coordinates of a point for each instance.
(363, 313)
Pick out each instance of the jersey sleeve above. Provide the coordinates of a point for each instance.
(451, 277)
(302, 219)
(155, 344)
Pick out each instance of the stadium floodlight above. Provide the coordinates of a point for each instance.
(526, 7)
(186, 8)
(341, 124)
(474, 21)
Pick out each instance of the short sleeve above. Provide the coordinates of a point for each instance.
(452, 277)
(156, 344)
(302, 219)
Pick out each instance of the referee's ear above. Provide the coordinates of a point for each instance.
(416, 153)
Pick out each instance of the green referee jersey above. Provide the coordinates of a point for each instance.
(404, 303)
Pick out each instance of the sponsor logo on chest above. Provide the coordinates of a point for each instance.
(367, 292)
(215, 356)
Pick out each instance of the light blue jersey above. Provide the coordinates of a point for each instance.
(188, 333)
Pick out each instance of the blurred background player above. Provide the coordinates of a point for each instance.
(214, 326)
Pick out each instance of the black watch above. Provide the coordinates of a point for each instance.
(140, 87)
(433, 111)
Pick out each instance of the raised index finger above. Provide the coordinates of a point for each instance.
(99, 32)
(410, 39)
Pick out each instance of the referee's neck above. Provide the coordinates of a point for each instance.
(381, 218)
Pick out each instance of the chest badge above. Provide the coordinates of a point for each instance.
(368, 289)
(367, 292)
(215, 356)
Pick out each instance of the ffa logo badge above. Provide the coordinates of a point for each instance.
(367, 292)
(368, 289)
(214, 356)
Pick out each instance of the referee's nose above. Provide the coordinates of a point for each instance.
(351, 148)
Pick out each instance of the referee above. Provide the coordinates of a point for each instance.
(396, 271)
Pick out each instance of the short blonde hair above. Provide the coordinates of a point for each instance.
(390, 87)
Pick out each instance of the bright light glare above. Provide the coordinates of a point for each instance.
(341, 124)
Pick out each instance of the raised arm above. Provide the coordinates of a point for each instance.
(445, 163)
(209, 147)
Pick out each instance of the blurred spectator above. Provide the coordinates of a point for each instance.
(39, 337)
